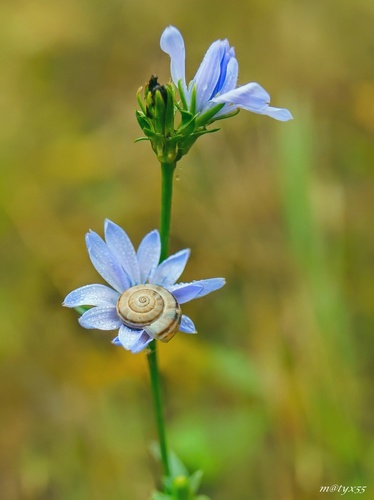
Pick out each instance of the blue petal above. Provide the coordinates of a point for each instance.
(250, 96)
(280, 114)
(116, 341)
(184, 292)
(105, 263)
(231, 76)
(170, 269)
(120, 245)
(208, 74)
(253, 97)
(187, 325)
(133, 340)
(205, 286)
(102, 318)
(149, 255)
(210, 285)
(92, 295)
(172, 43)
(229, 84)
(228, 53)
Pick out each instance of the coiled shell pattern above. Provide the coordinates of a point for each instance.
(151, 308)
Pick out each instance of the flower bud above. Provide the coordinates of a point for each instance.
(156, 119)
(156, 101)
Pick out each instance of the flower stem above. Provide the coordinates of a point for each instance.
(167, 171)
(158, 404)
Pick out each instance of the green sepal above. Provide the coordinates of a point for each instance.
(193, 100)
(159, 112)
(139, 139)
(182, 96)
(188, 123)
(169, 111)
(144, 122)
(206, 117)
(81, 309)
(206, 131)
(140, 102)
(189, 141)
(222, 117)
(149, 133)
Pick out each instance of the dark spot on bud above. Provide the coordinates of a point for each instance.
(154, 86)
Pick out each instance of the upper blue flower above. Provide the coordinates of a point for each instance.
(216, 79)
(124, 269)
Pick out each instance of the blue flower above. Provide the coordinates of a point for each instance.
(124, 270)
(215, 81)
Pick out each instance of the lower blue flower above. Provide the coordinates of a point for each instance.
(143, 300)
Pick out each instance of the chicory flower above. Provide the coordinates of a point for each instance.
(213, 91)
(125, 270)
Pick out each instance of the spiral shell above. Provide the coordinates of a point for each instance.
(151, 308)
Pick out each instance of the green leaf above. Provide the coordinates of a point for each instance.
(177, 467)
(195, 480)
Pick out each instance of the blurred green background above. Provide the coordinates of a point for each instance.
(273, 399)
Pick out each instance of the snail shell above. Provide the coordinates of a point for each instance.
(151, 308)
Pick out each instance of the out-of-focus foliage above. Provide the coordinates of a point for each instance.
(272, 398)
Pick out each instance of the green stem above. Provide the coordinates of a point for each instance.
(158, 404)
(167, 171)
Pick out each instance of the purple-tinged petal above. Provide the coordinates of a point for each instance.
(105, 263)
(250, 96)
(142, 343)
(208, 74)
(133, 340)
(229, 84)
(187, 325)
(210, 285)
(228, 53)
(92, 295)
(149, 255)
(206, 286)
(121, 247)
(184, 292)
(172, 43)
(231, 76)
(116, 341)
(102, 318)
(280, 114)
(253, 97)
(170, 269)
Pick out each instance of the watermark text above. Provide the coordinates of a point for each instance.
(339, 488)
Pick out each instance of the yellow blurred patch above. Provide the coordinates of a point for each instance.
(78, 159)
(363, 104)
(35, 26)
(100, 369)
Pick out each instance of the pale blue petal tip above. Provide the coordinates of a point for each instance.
(280, 114)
